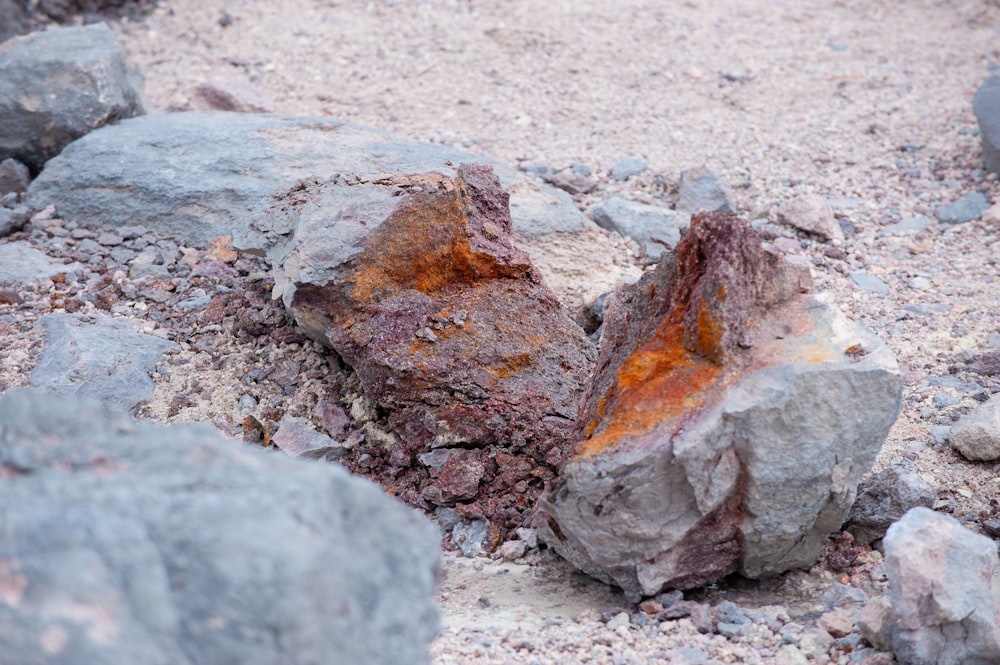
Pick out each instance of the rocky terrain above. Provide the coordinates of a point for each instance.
(844, 133)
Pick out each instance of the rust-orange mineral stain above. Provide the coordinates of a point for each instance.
(660, 381)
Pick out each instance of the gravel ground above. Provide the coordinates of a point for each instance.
(864, 102)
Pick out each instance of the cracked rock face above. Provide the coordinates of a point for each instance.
(416, 282)
(727, 424)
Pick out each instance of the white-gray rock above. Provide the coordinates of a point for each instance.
(812, 214)
(883, 499)
(700, 189)
(977, 434)
(942, 609)
(20, 263)
(986, 105)
(57, 85)
(655, 228)
(127, 542)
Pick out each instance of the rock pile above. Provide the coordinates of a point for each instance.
(726, 425)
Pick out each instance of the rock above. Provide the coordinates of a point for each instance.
(713, 436)
(296, 438)
(872, 624)
(883, 499)
(64, 10)
(20, 263)
(701, 190)
(986, 105)
(14, 176)
(12, 219)
(868, 282)
(655, 228)
(195, 176)
(129, 542)
(87, 68)
(908, 225)
(12, 19)
(229, 94)
(100, 357)
(977, 434)
(942, 611)
(838, 622)
(790, 654)
(570, 181)
(812, 214)
(987, 364)
(416, 282)
(626, 168)
(965, 209)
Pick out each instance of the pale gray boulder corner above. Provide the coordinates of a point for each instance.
(655, 228)
(198, 175)
(87, 67)
(129, 542)
(943, 605)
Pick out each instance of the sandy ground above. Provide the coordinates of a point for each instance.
(865, 102)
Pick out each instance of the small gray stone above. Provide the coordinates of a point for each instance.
(627, 168)
(977, 434)
(700, 189)
(14, 176)
(967, 208)
(296, 438)
(12, 219)
(926, 309)
(863, 280)
(812, 214)
(20, 263)
(655, 228)
(944, 401)
(100, 357)
(986, 105)
(883, 499)
(470, 537)
(908, 225)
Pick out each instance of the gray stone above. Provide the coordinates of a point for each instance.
(20, 263)
(965, 209)
(100, 357)
(12, 21)
(570, 181)
(471, 537)
(812, 214)
(986, 105)
(908, 225)
(626, 168)
(709, 445)
(85, 65)
(655, 228)
(977, 434)
(296, 438)
(229, 94)
(128, 542)
(14, 176)
(701, 190)
(12, 219)
(868, 282)
(941, 607)
(198, 175)
(883, 499)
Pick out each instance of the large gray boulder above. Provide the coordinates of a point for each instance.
(727, 424)
(127, 542)
(198, 175)
(56, 86)
(100, 357)
(942, 609)
(986, 105)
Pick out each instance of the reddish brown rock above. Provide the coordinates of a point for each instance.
(727, 423)
(460, 348)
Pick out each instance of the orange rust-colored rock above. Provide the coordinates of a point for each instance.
(726, 424)
(461, 350)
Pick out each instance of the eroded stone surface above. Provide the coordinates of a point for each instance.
(416, 282)
(727, 424)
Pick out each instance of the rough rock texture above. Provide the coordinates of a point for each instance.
(986, 105)
(14, 176)
(977, 434)
(12, 19)
(812, 214)
(127, 542)
(966, 208)
(20, 263)
(11, 220)
(701, 190)
(63, 10)
(100, 357)
(198, 175)
(416, 282)
(655, 228)
(56, 86)
(883, 499)
(727, 423)
(942, 610)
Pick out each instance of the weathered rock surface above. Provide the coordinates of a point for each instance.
(966, 208)
(986, 105)
(198, 175)
(883, 499)
(12, 19)
(100, 357)
(56, 86)
(14, 176)
(127, 542)
(701, 190)
(655, 228)
(20, 263)
(942, 609)
(416, 282)
(977, 434)
(812, 214)
(726, 425)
